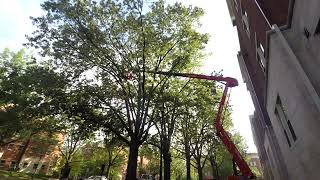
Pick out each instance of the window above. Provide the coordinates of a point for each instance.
(245, 20)
(285, 117)
(43, 166)
(294, 137)
(25, 164)
(260, 56)
(2, 162)
(235, 4)
(10, 146)
(317, 32)
(35, 166)
(288, 130)
(252, 163)
(287, 138)
(261, 62)
(21, 147)
(261, 48)
(13, 165)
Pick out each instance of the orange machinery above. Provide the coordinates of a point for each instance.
(244, 168)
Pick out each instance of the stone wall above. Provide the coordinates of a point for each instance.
(289, 81)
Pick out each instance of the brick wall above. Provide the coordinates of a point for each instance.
(275, 10)
(258, 25)
(32, 160)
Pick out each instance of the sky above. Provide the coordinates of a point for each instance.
(222, 47)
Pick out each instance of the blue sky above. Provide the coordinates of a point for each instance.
(15, 22)
(223, 45)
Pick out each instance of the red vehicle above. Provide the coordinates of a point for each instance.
(244, 168)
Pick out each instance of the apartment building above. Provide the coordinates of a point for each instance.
(254, 161)
(30, 156)
(279, 59)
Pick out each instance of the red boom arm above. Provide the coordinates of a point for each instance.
(221, 133)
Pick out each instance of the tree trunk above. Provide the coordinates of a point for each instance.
(108, 171)
(160, 170)
(103, 166)
(109, 163)
(188, 162)
(217, 172)
(23, 151)
(234, 167)
(167, 161)
(65, 171)
(215, 167)
(199, 169)
(132, 161)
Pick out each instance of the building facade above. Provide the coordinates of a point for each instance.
(254, 161)
(279, 59)
(30, 156)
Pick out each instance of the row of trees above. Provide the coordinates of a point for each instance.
(97, 77)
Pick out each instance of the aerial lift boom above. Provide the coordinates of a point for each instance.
(245, 170)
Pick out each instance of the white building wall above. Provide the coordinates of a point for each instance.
(276, 162)
(306, 15)
(274, 167)
(289, 80)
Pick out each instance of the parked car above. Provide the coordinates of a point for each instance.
(146, 177)
(97, 178)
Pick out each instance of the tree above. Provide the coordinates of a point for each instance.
(202, 144)
(195, 128)
(149, 160)
(71, 145)
(108, 40)
(170, 102)
(28, 91)
(196, 139)
(185, 145)
(100, 157)
(201, 126)
(220, 159)
(115, 151)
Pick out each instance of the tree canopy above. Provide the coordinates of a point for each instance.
(98, 75)
(111, 40)
(29, 93)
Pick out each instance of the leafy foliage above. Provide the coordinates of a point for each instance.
(100, 77)
(28, 92)
(110, 39)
